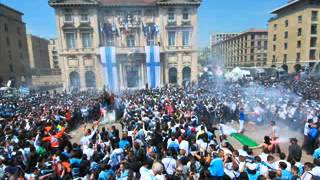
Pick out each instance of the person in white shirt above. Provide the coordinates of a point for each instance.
(184, 145)
(307, 175)
(88, 150)
(169, 163)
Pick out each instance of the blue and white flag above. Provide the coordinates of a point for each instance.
(108, 59)
(24, 90)
(153, 66)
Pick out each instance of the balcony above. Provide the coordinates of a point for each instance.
(128, 50)
(172, 23)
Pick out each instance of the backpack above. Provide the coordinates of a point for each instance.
(314, 177)
(313, 133)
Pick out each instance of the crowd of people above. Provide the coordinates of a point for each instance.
(167, 133)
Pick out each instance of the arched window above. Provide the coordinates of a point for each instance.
(173, 75)
(90, 79)
(74, 80)
(186, 74)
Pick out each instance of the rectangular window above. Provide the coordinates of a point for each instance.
(300, 19)
(172, 38)
(286, 35)
(285, 57)
(171, 15)
(6, 29)
(110, 41)
(273, 58)
(313, 42)
(265, 44)
(312, 54)
(274, 47)
(84, 18)
(86, 40)
(150, 41)
(299, 31)
(298, 57)
(68, 18)
(298, 44)
(8, 41)
(274, 37)
(285, 46)
(20, 44)
(314, 29)
(259, 44)
(185, 14)
(286, 23)
(314, 16)
(11, 68)
(71, 40)
(185, 38)
(18, 31)
(131, 41)
(275, 26)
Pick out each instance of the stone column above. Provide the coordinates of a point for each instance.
(142, 82)
(120, 77)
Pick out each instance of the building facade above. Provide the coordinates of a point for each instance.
(53, 54)
(215, 38)
(130, 28)
(294, 34)
(13, 48)
(248, 49)
(38, 53)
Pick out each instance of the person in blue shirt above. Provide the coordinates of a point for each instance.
(124, 143)
(241, 120)
(285, 174)
(252, 171)
(216, 168)
(106, 172)
(316, 154)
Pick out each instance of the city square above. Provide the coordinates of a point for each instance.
(160, 89)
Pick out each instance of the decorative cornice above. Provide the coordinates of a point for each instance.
(68, 3)
(179, 2)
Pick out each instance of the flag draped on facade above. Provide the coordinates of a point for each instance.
(108, 59)
(153, 66)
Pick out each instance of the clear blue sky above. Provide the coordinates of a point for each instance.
(214, 16)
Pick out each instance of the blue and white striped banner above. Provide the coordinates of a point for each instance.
(108, 59)
(153, 66)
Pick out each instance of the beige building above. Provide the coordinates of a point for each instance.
(13, 48)
(83, 27)
(246, 49)
(215, 38)
(38, 53)
(294, 34)
(53, 54)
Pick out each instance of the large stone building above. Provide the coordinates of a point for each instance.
(246, 49)
(215, 38)
(38, 53)
(53, 54)
(14, 63)
(124, 42)
(294, 34)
